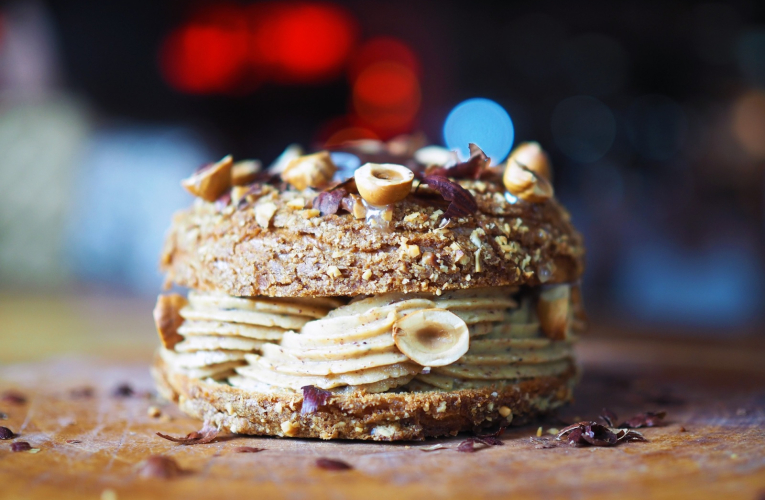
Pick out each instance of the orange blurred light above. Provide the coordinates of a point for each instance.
(382, 49)
(350, 134)
(749, 122)
(386, 96)
(307, 42)
(202, 58)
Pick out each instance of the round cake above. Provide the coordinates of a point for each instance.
(382, 291)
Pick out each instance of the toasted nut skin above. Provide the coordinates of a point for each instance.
(432, 337)
(525, 184)
(245, 171)
(532, 156)
(211, 181)
(383, 183)
(552, 309)
(167, 318)
(310, 170)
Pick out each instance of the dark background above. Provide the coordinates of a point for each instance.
(653, 114)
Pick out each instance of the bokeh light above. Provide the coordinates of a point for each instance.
(583, 128)
(749, 122)
(750, 55)
(382, 49)
(386, 96)
(483, 122)
(656, 126)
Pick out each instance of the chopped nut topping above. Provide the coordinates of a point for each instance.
(310, 170)
(167, 318)
(245, 172)
(238, 193)
(525, 184)
(210, 182)
(290, 428)
(334, 272)
(383, 184)
(478, 266)
(552, 309)
(532, 157)
(264, 212)
(297, 203)
(353, 204)
(367, 274)
(429, 259)
(310, 213)
(505, 412)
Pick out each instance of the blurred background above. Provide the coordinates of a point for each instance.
(653, 114)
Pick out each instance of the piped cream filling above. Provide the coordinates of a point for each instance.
(271, 345)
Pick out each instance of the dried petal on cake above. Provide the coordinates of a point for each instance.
(211, 181)
(167, 318)
(328, 202)
(247, 449)
(6, 433)
(13, 397)
(207, 434)
(313, 398)
(470, 169)
(462, 203)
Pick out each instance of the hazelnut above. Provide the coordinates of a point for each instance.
(210, 181)
(356, 207)
(309, 171)
(532, 156)
(263, 213)
(552, 310)
(383, 184)
(245, 172)
(525, 184)
(280, 163)
(167, 318)
(436, 155)
(431, 337)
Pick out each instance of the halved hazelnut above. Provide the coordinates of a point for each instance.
(432, 337)
(210, 181)
(552, 310)
(167, 318)
(383, 184)
(436, 155)
(525, 184)
(310, 170)
(244, 172)
(532, 156)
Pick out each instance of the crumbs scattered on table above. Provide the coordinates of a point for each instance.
(81, 393)
(153, 412)
(123, 390)
(469, 445)
(13, 397)
(20, 446)
(247, 449)
(331, 464)
(160, 466)
(432, 447)
(207, 434)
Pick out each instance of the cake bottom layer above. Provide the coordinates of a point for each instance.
(389, 416)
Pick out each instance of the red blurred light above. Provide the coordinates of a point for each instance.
(308, 42)
(379, 50)
(386, 96)
(202, 58)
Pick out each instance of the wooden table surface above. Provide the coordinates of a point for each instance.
(712, 446)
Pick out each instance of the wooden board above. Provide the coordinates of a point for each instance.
(721, 453)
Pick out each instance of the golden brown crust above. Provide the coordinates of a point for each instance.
(379, 417)
(297, 252)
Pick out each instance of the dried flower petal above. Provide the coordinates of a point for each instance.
(468, 445)
(330, 464)
(432, 448)
(470, 169)
(313, 398)
(20, 446)
(73, 441)
(328, 202)
(629, 435)
(608, 417)
(159, 466)
(647, 419)
(247, 449)
(207, 434)
(461, 201)
(6, 433)
(13, 397)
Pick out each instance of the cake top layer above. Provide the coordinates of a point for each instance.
(456, 227)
